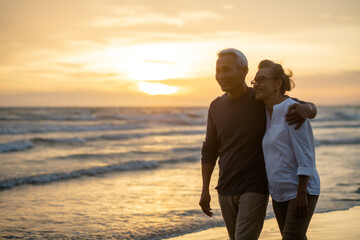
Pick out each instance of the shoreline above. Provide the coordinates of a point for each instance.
(334, 225)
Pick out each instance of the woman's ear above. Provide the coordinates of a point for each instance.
(279, 82)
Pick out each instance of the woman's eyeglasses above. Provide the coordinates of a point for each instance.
(259, 80)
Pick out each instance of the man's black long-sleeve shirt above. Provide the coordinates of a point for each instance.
(235, 129)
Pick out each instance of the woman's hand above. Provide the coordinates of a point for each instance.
(301, 203)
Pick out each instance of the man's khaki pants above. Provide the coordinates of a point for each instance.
(244, 214)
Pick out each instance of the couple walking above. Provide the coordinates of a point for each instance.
(265, 143)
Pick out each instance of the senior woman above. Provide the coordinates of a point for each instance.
(294, 182)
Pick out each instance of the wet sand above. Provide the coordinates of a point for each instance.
(324, 226)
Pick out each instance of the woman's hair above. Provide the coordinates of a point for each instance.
(278, 72)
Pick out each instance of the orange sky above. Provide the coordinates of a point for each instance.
(130, 53)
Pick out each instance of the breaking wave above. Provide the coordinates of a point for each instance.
(54, 177)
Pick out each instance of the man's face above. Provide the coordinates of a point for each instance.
(228, 75)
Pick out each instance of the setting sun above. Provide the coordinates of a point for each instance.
(157, 88)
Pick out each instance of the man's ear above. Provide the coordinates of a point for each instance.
(245, 69)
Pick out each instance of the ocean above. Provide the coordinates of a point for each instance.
(134, 173)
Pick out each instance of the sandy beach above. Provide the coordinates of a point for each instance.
(330, 226)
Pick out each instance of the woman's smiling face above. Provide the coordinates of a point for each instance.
(265, 84)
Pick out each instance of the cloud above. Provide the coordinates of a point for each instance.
(228, 7)
(66, 44)
(148, 19)
(70, 65)
(328, 16)
(329, 89)
(29, 25)
(191, 16)
(335, 81)
(92, 75)
(131, 18)
(325, 15)
(156, 61)
(89, 77)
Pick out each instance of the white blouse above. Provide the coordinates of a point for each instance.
(288, 153)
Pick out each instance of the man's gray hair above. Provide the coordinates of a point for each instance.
(240, 58)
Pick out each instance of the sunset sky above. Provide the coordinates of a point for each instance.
(163, 53)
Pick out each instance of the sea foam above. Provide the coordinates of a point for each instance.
(16, 146)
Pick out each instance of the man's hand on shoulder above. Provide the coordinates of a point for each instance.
(297, 114)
